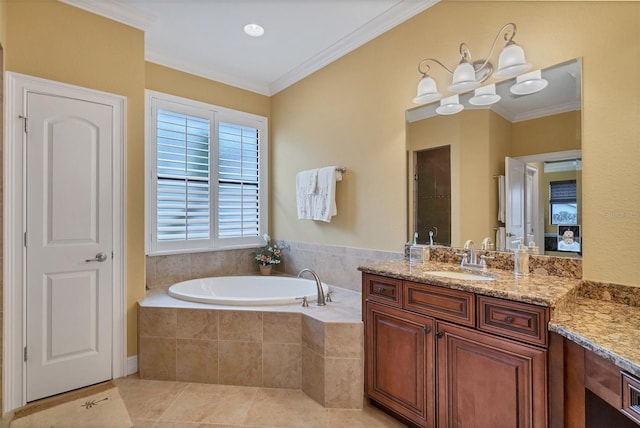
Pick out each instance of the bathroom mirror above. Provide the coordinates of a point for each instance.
(542, 129)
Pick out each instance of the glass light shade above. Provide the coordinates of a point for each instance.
(427, 91)
(511, 62)
(450, 105)
(485, 96)
(464, 78)
(529, 83)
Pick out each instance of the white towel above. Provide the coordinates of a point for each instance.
(321, 203)
(501, 196)
(501, 239)
(306, 186)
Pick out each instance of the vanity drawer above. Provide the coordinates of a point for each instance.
(443, 303)
(631, 397)
(520, 321)
(383, 289)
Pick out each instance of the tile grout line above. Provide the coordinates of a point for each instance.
(187, 385)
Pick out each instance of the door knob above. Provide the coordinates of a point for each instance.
(100, 257)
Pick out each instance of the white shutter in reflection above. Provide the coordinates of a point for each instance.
(238, 181)
(183, 193)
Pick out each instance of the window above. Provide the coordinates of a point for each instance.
(207, 176)
(563, 204)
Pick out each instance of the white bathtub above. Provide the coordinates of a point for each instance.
(246, 290)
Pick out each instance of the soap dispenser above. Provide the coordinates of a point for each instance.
(521, 259)
(416, 252)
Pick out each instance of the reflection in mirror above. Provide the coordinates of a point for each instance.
(540, 130)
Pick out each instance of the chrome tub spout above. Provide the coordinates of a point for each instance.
(321, 298)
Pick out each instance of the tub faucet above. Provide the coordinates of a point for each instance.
(321, 299)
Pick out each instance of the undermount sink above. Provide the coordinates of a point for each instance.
(461, 275)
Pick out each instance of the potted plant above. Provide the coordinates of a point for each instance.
(268, 255)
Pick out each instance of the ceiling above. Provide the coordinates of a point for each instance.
(206, 38)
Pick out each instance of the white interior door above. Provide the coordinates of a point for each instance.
(69, 240)
(514, 201)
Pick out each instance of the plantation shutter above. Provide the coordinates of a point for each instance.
(238, 181)
(183, 192)
(562, 192)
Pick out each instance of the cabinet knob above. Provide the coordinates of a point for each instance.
(380, 289)
(427, 329)
(439, 335)
(508, 319)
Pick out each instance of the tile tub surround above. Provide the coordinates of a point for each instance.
(316, 349)
(336, 265)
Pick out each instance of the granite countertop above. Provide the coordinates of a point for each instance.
(603, 318)
(543, 290)
(611, 330)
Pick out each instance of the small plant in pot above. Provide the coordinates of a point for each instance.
(268, 255)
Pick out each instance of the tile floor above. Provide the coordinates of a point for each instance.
(164, 404)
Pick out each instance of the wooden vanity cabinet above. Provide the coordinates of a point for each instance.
(487, 381)
(454, 350)
(399, 364)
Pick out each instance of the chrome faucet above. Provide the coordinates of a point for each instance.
(471, 246)
(321, 298)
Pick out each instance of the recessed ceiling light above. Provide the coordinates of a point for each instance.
(254, 30)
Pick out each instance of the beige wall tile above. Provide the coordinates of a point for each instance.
(313, 334)
(197, 361)
(282, 365)
(344, 340)
(344, 383)
(171, 269)
(156, 322)
(197, 324)
(240, 363)
(313, 374)
(157, 358)
(281, 327)
(240, 325)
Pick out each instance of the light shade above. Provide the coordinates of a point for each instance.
(485, 96)
(427, 91)
(450, 105)
(511, 61)
(529, 83)
(464, 78)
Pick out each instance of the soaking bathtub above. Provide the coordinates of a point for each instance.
(252, 290)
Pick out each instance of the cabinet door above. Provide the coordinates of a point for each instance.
(485, 381)
(399, 362)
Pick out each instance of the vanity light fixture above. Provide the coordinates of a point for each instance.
(450, 105)
(469, 74)
(485, 96)
(529, 83)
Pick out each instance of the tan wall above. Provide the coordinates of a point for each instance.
(352, 113)
(174, 82)
(548, 134)
(52, 40)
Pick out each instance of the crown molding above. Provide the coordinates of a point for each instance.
(207, 73)
(374, 28)
(116, 11)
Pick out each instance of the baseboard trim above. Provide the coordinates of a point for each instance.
(132, 365)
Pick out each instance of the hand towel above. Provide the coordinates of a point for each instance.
(323, 202)
(501, 196)
(306, 186)
(501, 239)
